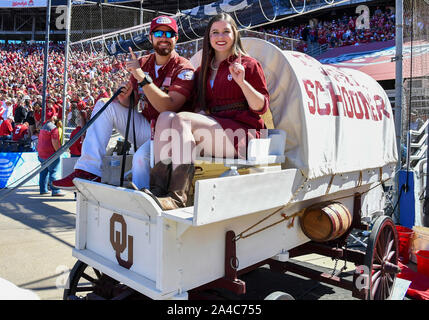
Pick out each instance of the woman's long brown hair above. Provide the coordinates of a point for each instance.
(208, 54)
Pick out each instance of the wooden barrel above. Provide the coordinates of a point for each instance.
(325, 221)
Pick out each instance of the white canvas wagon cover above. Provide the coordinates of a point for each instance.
(337, 120)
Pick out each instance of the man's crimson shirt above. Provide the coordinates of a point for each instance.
(44, 146)
(176, 75)
(19, 131)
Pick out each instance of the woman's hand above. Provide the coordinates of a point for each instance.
(237, 71)
(255, 99)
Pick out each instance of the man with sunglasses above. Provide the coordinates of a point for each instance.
(161, 81)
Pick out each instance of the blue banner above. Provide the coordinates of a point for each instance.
(15, 165)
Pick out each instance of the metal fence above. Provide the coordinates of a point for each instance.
(91, 72)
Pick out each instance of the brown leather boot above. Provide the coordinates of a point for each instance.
(180, 183)
(160, 179)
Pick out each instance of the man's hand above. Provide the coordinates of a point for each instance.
(133, 66)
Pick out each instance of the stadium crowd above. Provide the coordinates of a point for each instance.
(89, 78)
(338, 32)
(21, 86)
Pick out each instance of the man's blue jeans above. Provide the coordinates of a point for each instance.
(8, 137)
(53, 171)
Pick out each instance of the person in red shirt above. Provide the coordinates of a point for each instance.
(48, 144)
(76, 148)
(160, 81)
(37, 114)
(232, 97)
(21, 131)
(51, 103)
(81, 105)
(6, 129)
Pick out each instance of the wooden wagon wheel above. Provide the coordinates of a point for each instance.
(381, 259)
(87, 280)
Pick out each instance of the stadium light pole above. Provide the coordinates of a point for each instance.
(398, 96)
(45, 62)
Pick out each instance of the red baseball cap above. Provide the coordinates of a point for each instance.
(164, 21)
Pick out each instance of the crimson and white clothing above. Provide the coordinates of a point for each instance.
(176, 75)
(225, 91)
(99, 133)
(115, 116)
(19, 131)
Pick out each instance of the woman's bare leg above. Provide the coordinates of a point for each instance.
(162, 137)
(194, 134)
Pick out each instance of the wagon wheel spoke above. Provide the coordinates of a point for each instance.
(375, 287)
(89, 278)
(389, 286)
(389, 249)
(389, 277)
(97, 273)
(379, 250)
(377, 258)
(378, 294)
(83, 289)
(376, 266)
(375, 276)
(382, 291)
(390, 256)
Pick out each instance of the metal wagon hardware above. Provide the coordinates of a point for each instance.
(332, 147)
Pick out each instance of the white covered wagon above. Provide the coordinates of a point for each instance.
(333, 144)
